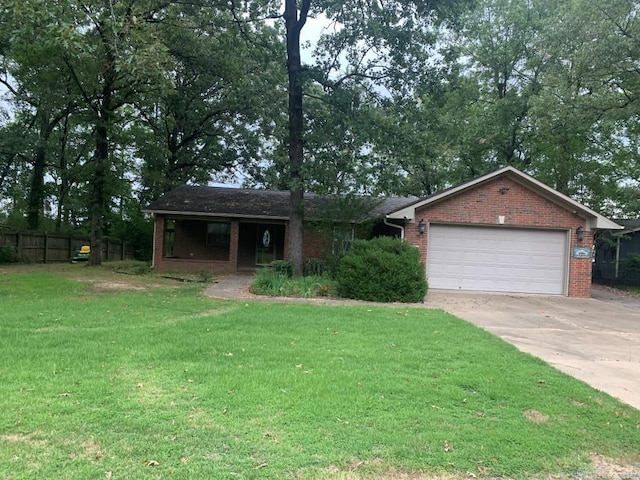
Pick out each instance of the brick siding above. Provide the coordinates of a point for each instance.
(192, 253)
(521, 207)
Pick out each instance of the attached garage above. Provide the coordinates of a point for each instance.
(497, 259)
(503, 232)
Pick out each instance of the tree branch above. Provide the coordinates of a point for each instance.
(5, 81)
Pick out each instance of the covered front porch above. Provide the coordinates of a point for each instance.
(221, 245)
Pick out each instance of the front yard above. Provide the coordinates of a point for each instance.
(114, 376)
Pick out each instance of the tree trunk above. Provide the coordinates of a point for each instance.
(101, 159)
(294, 24)
(102, 167)
(64, 182)
(35, 203)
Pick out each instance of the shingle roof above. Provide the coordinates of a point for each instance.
(629, 224)
(273, 204)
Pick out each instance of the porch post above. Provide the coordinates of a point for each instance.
(158, 241)
(234, 245)
(285, 253)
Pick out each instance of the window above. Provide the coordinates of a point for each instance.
(342, 238)
(169, 237)
(218, 234)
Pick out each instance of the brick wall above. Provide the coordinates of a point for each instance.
(158, 240)
(191, 242)
(317, 242)
(192, 253)
(521, 207)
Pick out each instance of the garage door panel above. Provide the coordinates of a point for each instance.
(497, 259)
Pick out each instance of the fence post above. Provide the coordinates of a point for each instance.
(18, 244)
(46, 247)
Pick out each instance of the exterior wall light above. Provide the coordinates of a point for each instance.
(422, 227)
(580, 234)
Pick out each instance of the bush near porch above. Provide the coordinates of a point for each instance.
(382, 269)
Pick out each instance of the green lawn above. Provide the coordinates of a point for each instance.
(101, 379)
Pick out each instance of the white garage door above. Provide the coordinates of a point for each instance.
(497, 259)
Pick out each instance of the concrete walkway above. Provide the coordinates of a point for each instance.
(231, 287)
(596, 340)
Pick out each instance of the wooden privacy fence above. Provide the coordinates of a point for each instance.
(40, 247)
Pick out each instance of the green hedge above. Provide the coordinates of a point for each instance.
(384, 269)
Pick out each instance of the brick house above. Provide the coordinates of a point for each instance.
(504, 231)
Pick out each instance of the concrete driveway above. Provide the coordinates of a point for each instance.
(596, 341)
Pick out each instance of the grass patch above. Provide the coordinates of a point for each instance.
(630, 289)
(159, 382)
(130, 267)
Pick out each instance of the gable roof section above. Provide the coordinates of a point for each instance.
(594, 219)
(259, 204)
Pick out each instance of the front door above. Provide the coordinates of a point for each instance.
(265, 244)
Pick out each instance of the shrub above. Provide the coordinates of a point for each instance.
(269, 282)
(282, 267)
(9, 254)
(629, 273)
(313, 267)
(384, 269)
(331, 264)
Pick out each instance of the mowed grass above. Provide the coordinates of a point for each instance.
(118, 377)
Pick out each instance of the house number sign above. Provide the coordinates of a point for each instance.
(581, 252)
(266, 238)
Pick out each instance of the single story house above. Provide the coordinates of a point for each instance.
(613, 248)
(503, 232)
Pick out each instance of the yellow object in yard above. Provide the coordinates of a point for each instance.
(82, 255)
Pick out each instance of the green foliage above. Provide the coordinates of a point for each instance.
(331, 264)
(631, 261)
(270, 282)
(133, 228)
(383, 269)
(313, 267)
(118, 97)
(276, 283)
(9, 254)
(629, 273)
(203, 276)
(197, 90)
(281, 267)
(130, 267)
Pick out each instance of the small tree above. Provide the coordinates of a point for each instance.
(383, 269)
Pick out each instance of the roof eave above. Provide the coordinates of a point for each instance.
(626, 232)
(177, 213)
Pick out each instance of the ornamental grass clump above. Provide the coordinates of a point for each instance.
(277, 281)
(383, 269)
